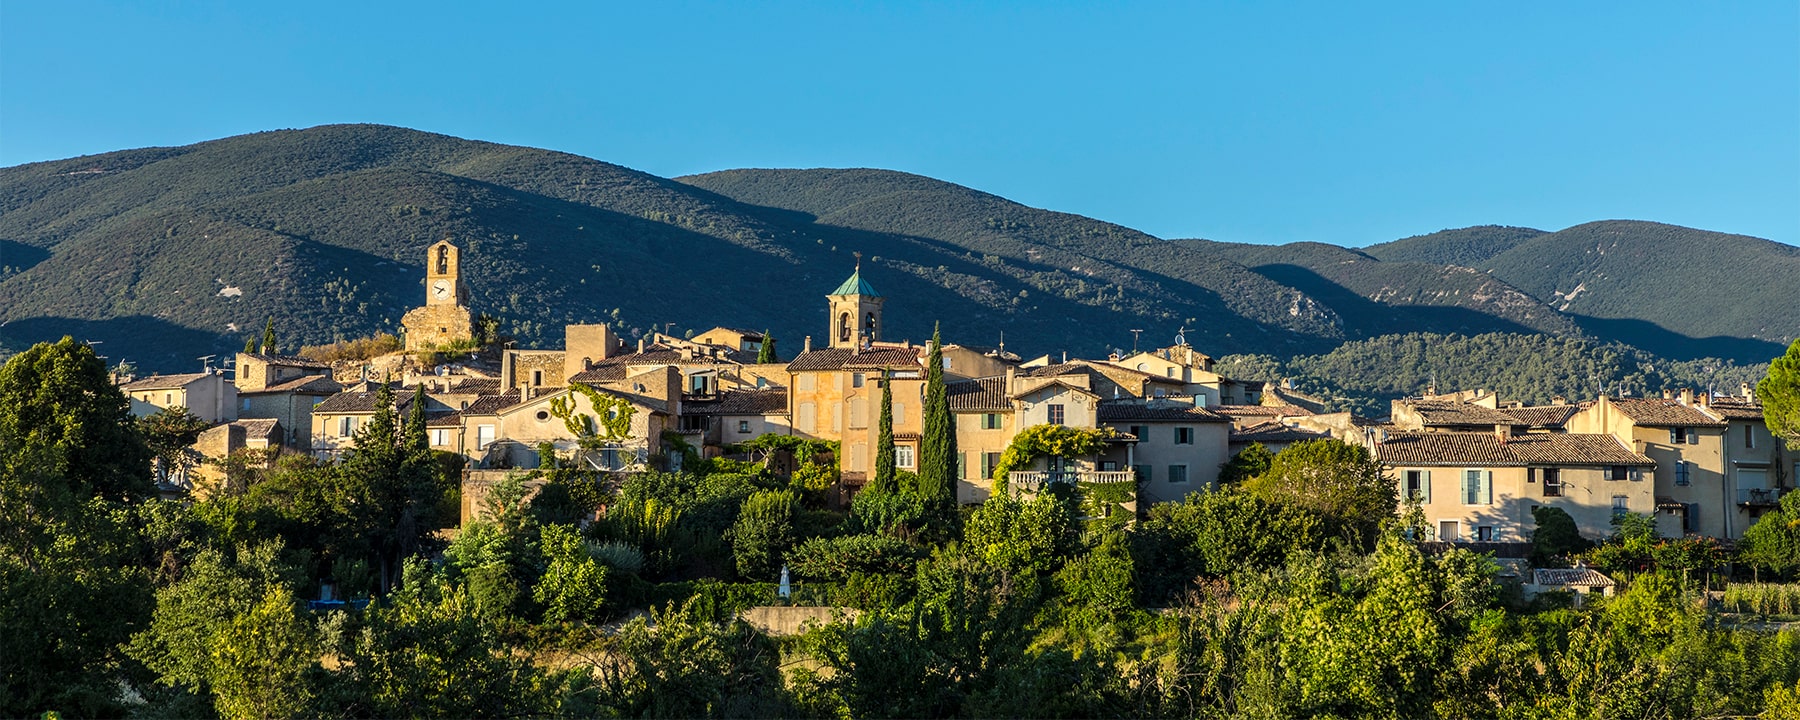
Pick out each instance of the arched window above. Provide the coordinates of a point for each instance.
(443, 260)
(869, 326)
(844, 327)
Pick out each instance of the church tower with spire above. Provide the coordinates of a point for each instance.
(855, 312)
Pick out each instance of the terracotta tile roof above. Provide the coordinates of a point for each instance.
(1736, 409)
(1657, 412)
(740, 402)
(1066, 368)
(986, 394)
(601, 374)
(1261, 410)
(449, 419)
(479, 386)
(1274, 432)
(309, 385)
(840, 358)
(1543, 416)
(163, 382)
(288, 361)
(1156, 412)
(1440, 413)
(1573, 577)
(1481, 448)
(490, 404)
(362, 401)
(258, 429)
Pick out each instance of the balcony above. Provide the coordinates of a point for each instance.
(1034, 479)
(1751, 497)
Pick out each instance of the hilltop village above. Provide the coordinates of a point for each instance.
(1475, 464)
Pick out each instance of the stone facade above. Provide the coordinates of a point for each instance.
(444, 320)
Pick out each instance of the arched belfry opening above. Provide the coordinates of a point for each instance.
(855, 312)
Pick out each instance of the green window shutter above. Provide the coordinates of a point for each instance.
(1425, 486)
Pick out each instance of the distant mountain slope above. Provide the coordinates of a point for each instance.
(170, 253)
(1468, 247)
(1381, 298)
(166, 254)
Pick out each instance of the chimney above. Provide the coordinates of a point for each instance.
(1112, 357)
(1687, 396)
(1745, 392)
(1704, 399)
(1668, 394)
(1503, 432)
(1431, 390)
(506, 370)
(1011, 375)
(640, 344)
(806, 345)
(1558, 400)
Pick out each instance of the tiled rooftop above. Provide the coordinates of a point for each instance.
(740, 402)
(840, 358)
(162, 382)
(1482, 448)
(1658, 412)
(1543, 416)
(1156, 412)
(978, 395)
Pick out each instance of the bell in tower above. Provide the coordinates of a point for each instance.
(855, 312)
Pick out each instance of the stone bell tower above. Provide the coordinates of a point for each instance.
(444, 320)
(855, 312)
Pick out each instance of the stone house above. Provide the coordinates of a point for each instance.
(1176, 447)
(1482, 486)
(205, 394)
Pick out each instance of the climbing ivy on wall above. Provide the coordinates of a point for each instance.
(1050, 441)
(614, 415)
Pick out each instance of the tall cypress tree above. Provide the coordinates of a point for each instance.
(268, 338)
(883, 480)
(765, 355)
(937, 444)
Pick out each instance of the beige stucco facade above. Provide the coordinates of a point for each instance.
(1496, 505)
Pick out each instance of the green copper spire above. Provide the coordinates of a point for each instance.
(855, 285)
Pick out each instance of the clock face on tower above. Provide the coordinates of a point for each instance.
(440, 289)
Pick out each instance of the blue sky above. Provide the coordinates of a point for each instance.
(1339, 122)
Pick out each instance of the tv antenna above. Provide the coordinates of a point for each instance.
(206, 361)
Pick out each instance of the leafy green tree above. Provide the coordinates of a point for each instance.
(426, 652)
(937, 440)
(1779, 392)
(72, 467)
(763, 533)
(1218, 532)
(1773, 543)
(883, 479)
(1341, 482)
(1247, 463)
(835, 558)
(1020, 536)
(1556, 537)
(573, 586)
(765, 354)
(691, 666)
(170, 434)
(264, 662)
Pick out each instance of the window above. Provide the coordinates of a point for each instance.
(1681, 472)
(899, 413)
(1552, 482)
(1109, 466)
(1184, 436)
(989, 461)
(947, 363)
(1484, 533)
(543, 415)
(1676, 435)
(1418, 485)
(1693, 436)
(1143, 472)
(1621, 505)
(903, 456)
(1447, 531)
(1177, 474)
(762, 383)
(856, 379)
(1141, 432)
(1690, 517)
(537, 378)
(484, 436)
(168, 398)
(1619, 472)
(990, 421)
(244, 405)
(346, 425)
(844, 327)
(1169, 372)
(962, 466)
(1477, 487)
(1749, 437)
(1056, 414)
(744, 426)
(440, 437)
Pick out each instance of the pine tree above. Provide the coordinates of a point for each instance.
(937, 445)
(883, 480)
(766, 354)
(1780, 396)
(268, 338)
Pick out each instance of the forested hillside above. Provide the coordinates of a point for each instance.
(166, 254)
(1363, 375)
